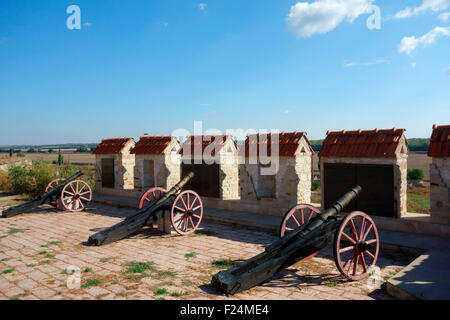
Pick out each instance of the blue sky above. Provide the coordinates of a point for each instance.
(154, 66)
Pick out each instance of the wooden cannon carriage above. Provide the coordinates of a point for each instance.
(185, 208)
(69, 194)
(304, 231)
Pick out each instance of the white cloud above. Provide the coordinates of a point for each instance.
(165, 24)
(87, 24)
(286, 111)
(444, 17)
(409, 44)
(322, 16)
(366, 64)
(427, 5)
(414, 65)
(201, 6)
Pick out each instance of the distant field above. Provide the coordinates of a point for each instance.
(79, 158)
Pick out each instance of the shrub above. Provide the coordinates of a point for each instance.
(315, 185)
(32, 180)
(5, 184)
(415, 174)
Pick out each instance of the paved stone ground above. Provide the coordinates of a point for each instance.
(36, 249)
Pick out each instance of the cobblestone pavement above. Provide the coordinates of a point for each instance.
(36, 249)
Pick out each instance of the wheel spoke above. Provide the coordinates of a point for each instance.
(184, 203)
(302, 218)
(193, 202)
(348, 238)
(370, 254)
(349, 264)
(295, 221)
(371, 241)
(71, 187)
(310, 215)
(361, 230)
(84, 198)
(355, 265)
(367, 232)
(69, 193)
(196, 208)
(187, 196)
(85, 192)
(363, 262)
(192, 222)
(182, 210)
(346, 249)
(196, 215)
(352, 226)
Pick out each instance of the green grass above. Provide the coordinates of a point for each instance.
(59, 293)
(223, 263)
(65, 271)
(49, 256)
(14, 298)
(26, 293)
(42, 252)
(140, 267)
(51, 243)
(7, 271)
(121, 294)
(177, 294)
(189, 255)
(31, 265)
(165, 273)
(88, 269)
(91, 282)
(44, 245)
(45, 262)
(418, 203)
(5, 259)
(331, 283)
(161, 291)
(15, 230)
(161, 298)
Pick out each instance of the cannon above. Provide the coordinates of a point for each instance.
(185, 207)
(304, 231)
(69, 194)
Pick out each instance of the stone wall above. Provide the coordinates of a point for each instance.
(440, 190)
(123, 169)
(229, 175)
(292, 182)
(400, 177)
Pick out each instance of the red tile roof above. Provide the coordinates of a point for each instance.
(152, 145)
(288, 143)
(217, 140)
(111, 146)
(362, 143)
(440, 142)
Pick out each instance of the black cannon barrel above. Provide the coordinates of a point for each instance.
(317, 234)
(334, 210)
(43, 198)
(136, 221)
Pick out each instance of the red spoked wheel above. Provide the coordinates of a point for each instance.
(356, 239)
(187, 212)
(76, 195)
(52, 184)
(297, 216)
(151, 195)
